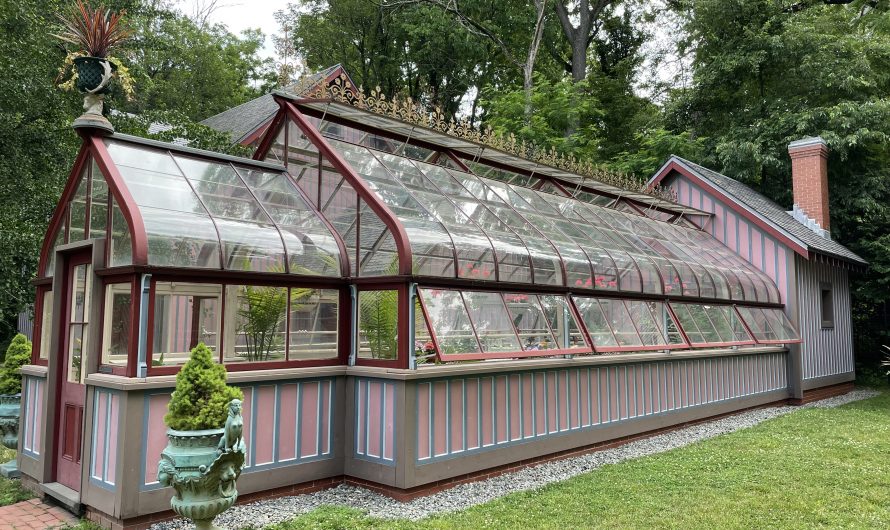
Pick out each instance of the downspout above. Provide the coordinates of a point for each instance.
(412, 305)
(353, 343)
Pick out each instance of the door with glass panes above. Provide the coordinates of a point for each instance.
(72, 362)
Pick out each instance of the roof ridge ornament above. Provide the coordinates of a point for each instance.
(342, 90)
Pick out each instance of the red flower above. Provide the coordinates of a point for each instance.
(578, 282)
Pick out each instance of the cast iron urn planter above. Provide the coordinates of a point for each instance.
(10, 411)
(202, 466)
(94, 76)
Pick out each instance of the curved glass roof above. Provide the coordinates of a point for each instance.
(465, 226)
(203, 212)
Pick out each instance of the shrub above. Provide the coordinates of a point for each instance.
(17, 355)
(201, 398)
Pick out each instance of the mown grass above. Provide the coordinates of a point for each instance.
(812, 468)
(11, 491)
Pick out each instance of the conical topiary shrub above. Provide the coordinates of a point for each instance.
(201, 399)
(17, 355)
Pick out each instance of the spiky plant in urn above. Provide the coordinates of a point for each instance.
(205, 450)
(17, 355)
(90, 68)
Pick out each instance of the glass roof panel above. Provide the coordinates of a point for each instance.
(200, 212)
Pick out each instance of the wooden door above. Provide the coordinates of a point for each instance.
(72, 360)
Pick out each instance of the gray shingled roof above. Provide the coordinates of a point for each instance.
(772, 212)
(242, 120)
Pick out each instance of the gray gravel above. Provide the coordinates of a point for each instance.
(265, 512)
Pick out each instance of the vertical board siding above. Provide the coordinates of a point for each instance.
(539, 404)
(103, 448)
(755, 245)
(33, 389)
(375, 419)
(826, 351)
(285, 423)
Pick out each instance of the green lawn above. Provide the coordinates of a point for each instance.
(10, 490)
(812, 468)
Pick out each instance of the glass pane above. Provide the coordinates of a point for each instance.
(780, 324)
(184, 315)
(621, 322)
(378, 316)
(562, 321)
(449, 321)
(529, 320)
(117, 324)
(58, 240)
(597, 326)
(705, 325)
(424, 347)
(491, 321)
(77, 212)
(314, 323)
(180, 239)
(80, 288)
(688, 323)
(256, 318)
(76, 347)
(139, 157)
(158, 190)
(121, 252)
(46, 324)
(758, 323)
(250, 246)
(99, 204)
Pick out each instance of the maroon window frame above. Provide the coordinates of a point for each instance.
(403, 348)
(37, 335)
(749, 342)
(129, 370)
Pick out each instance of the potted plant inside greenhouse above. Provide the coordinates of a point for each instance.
(205, 451)
(90, 68)
(17, 355)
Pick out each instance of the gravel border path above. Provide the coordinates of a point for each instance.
(265, 512)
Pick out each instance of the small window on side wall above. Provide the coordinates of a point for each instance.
(827, 302)
(378, 317)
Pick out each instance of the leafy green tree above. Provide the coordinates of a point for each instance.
(201, 398)
(17, 355)
(766, 73)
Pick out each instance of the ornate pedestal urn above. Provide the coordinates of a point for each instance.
(94, 75)
(202, 466)
(10, 411)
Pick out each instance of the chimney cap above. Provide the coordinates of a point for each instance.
(810, 141)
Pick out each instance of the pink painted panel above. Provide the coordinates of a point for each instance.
(695, 198)
(327, 398)
(719, 221)
(574, 399)
(487, 419)
(513, 405)
(604, 393)
(783, 274)
(472, 387)
(456, 396)
(756, 249)
(562, 380)
(114, 417)
(265, 423)
(389, 428)
(361, 412)
(309, 419)
(100, 426)
(682, 191)
(615, 397)
(540, 404)
(662, 378)
(770, 258)
(584, 396)
(731, 226)
(375, 411)
(745, 251)
(642, 390)
(287, 423)
(552, 402)
(440, 419)
(502, 408)
(528, 406)
(156, 437)
(28, 384)
(650, 388)
(423, 421)
(625, 391)
(595, 397)
(247, 414)
(37, 403)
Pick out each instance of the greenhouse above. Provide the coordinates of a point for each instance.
(404, 304)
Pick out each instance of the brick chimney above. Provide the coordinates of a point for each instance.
(809, 174)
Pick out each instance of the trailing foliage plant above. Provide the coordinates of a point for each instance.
(201, 398)
(17, 355)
